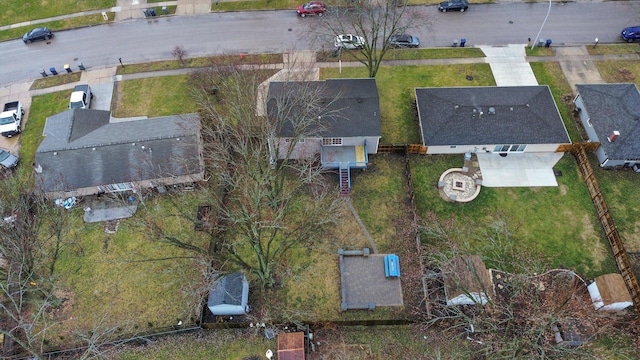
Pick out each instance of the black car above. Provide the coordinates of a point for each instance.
(404, 40)
(453, 5)
(37, 34)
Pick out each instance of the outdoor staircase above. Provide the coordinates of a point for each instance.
(345, 181)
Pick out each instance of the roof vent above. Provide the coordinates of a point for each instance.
(492, 111)
(614, 135)
(456, 107)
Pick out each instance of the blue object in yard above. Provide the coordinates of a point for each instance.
(152, 11)
(462, 42)
(391, 265)
(53, 70)
(548, 43)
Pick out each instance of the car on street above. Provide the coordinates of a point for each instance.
(453, 5)
(404, 40)
(311, 9)
(349, 42)
(631, 33)
(43, 33)
(7, 160)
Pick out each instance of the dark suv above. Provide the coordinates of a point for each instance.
(631, 33)
(453, 5)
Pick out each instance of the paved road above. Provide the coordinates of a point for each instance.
(278, 31)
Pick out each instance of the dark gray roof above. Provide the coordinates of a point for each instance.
(82, 149)
(352, 106)
(521, 115)
(227, 290)
(614, 107)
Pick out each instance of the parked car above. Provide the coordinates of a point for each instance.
(81, 97)
(631, 33)
(11, 119)
(36, 34)
(7, 160)
(404, 40)
(453, 5)
(349, 41)
(312, 8)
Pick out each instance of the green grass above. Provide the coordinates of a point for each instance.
(409, 54)
(75, 22)
(17, 11)
(140, 97)
(614, 49)
(51, 81)
(397, 97)
(619, 71)
(116, 279)
(539, 51)
(558, 222)
(234, 59)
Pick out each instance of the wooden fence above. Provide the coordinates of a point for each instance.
(610, 230)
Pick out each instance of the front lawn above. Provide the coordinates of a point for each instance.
(140, 97)
(17, 11)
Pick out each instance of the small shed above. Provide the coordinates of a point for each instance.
(609, 293)
(466, 281)
(229, 295)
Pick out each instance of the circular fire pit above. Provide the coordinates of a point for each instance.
(456, 185)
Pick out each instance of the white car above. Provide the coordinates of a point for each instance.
(349, 41)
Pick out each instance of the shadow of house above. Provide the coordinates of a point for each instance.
(609, 293)
(229, 295)
(466, 281)
(610, 115)
(339, 120)
(515, 131)
(83, 153)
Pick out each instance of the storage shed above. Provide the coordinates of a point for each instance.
(229, 295)
(609, 293)
(466, 281)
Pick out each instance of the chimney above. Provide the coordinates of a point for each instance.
(614, 135)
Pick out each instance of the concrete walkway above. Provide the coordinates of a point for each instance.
(576, 70)
(509, 65)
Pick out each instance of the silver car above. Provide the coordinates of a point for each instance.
(8, 160)
(349, 42)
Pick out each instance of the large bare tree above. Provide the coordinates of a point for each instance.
(376, 21)
(264, 206)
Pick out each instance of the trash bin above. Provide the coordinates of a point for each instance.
(145, 12)
(43, 73)
(547, 43)
(53, 70)
(540, 43)
(81, 66)
(152, 11)
(164, 10)
(455, 42)
(462, 42)
(67, 68)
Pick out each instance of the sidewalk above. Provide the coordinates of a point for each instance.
(509, 65)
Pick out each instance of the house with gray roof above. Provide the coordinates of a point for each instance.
(610, 115)
(347, 129)
(515, 131)
(85, 152)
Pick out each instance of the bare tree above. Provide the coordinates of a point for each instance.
(376, 21)
(265, 206)
(179, 53)
(527, 310)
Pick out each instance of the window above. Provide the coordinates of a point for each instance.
(517, 148)
(331, 141)
(509, 148)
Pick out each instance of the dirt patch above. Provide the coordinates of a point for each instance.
(65, 300)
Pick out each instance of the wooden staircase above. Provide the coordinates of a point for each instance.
(345, 181)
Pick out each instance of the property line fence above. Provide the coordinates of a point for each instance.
(609, 227)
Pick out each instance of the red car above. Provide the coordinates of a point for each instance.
(312, 8)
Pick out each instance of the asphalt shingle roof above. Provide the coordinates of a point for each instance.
(489, 115)
(614, 107)
(351, 106)
(82, 149)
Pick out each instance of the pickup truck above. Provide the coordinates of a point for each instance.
(11, 119)
(81, 97)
